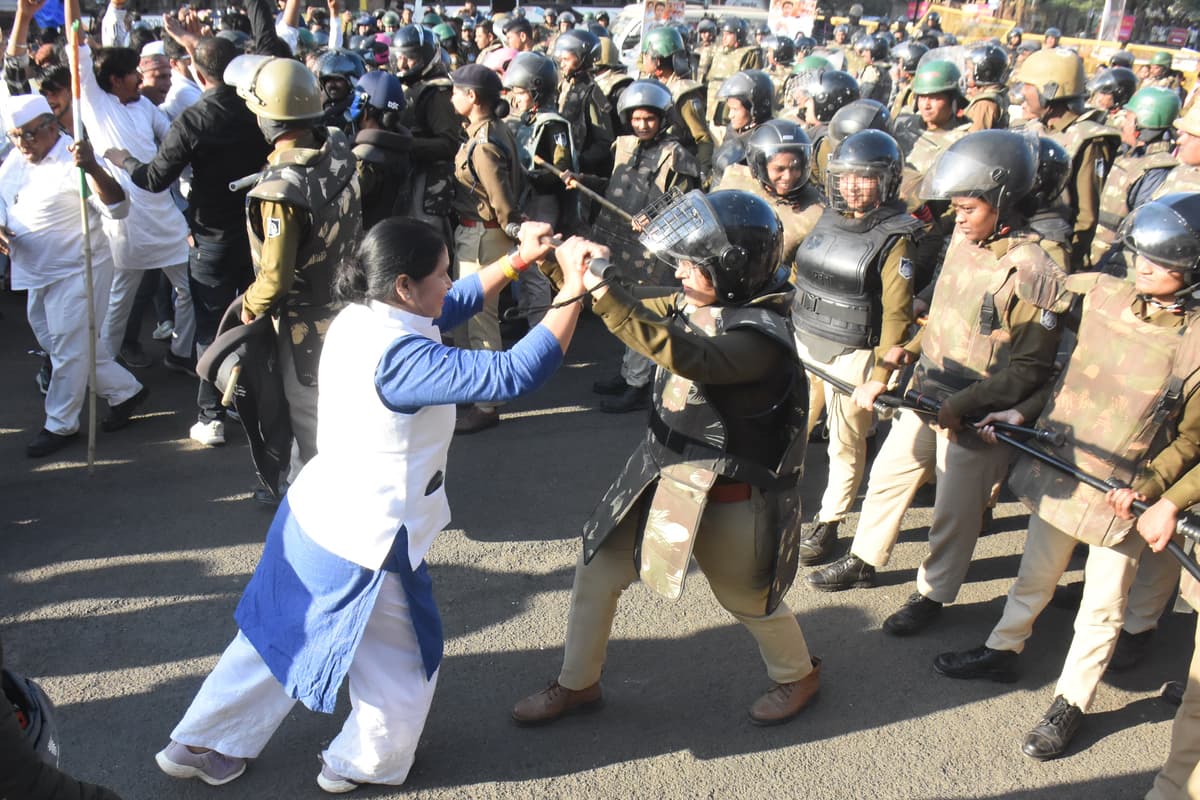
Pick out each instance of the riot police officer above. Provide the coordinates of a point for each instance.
(853, 275)
(907, 57)
(777, 168)
(611, 78)
(337, 71)
(987, 96)
(1054, 88)
(582, 102)
(749, 100)
(780, 52)
(735, 54)
(382, 146)
(720, 458)
(532, 83)
(821, 95)
(665, 58)
(436, 128)
(1109, 91)
(989, 343)
(1136, 174)
(648, 163)
(303, 217)
(875, 79)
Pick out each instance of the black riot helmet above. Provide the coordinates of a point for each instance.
(734, 236)
(418, 43)
(754, 88)
(1119, 82)
(736, 25)
(989, 63)
(775, 137)
(584, 45)
(804, 45)
(537, 74)
(644, 94)
(1053, 171)
(338, 63)
(34, 713)
(907, 55)
(870, 154)
(997, 166)
(1052, 33)
(876, 45)
(706, 25)
(830, 89)
(861, 115)
(1167, 232)
(1014, 37)
(1121, 58)
(782, 48)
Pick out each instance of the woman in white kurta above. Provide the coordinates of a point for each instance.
(342, 588)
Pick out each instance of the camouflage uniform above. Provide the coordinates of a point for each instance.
(903, 100)
(875, 82)
(1092, 147)
(822, 148)
(687, 119)
(725, 64)
(989, 343)
(303, 216)
(1132, 374)
(1123, 188)
(988, 108)
(853, 303)
(612, 82)
(717, 471)
(545, 133)
(584, 106)
(1182, 178)
(489, 188)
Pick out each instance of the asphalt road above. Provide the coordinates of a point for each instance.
(117, 590)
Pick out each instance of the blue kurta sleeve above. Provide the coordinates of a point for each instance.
(463, 301)
(415, 372)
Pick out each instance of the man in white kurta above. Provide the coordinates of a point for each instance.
(154, 234)
(40, 213)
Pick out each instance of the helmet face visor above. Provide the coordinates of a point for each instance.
(686, 230)
(241, 72)
(1159, 233)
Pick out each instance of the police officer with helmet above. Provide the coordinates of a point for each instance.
(854, 284)
(532, 83)
(582, 102)
(734, 54)
(987, 96)
(665, 58)
(382, 146)
(303, 217)
(749, 100)
(720, 458)
(1139, 429)
(1109, 91)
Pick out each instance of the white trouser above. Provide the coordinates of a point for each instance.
(125, 285)
(59, 318)
(241, 704)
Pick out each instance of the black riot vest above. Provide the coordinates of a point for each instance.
(838, 286)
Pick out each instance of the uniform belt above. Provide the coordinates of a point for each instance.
(466, 222)
(729, 493)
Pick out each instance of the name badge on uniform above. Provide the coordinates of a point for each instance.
(274, 225)
(907, 268)
(1049, 320)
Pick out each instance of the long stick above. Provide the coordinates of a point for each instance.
(76, 33)
(605, 202)
(889, 401)
(1187, 525)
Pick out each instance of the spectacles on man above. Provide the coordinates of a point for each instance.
(29, 136)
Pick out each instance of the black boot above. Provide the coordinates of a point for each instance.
(610, 386)
(1130, 650)
(818, 545)
(917, 613)
(979, 662)
(1050, 737)
(632, 399)
(848, 572)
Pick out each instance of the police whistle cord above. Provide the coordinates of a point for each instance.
(887, 401)
(603, 201)
(600, 267)
(1187, 525)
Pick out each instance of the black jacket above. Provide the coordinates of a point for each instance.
(220, 139)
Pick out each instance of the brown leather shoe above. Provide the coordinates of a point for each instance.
(476, 419)
(556, 701)
(785, 700)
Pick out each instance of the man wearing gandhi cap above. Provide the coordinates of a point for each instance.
(41, 230)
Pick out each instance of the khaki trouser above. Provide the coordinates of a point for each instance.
(735, 547)
(474, 248)
(302, 406)
(911, 454)
(1107, 577)
(848, 426)
(1180, 776)
(1157, 577)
